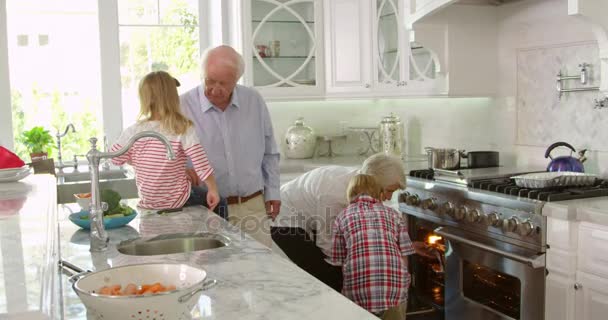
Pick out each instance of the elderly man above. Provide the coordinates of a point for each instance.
(233, 125)
(310, 205)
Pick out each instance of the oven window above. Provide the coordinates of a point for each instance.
(496, 290)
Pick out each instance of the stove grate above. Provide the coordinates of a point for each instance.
(508, 186)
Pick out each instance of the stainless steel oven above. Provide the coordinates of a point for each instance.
(427, 289)
(491, 279)
(493, 235)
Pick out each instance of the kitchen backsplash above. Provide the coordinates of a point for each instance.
(543, 118)
(436, 122)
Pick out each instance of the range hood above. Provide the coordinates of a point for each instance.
(594, 12)
(487, 2)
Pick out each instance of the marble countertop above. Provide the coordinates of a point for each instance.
(29, 280)
(593, 210)
(292, 168)
(253, 282)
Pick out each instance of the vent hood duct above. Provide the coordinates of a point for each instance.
(594, 12)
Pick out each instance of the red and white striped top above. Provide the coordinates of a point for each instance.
(162, 183)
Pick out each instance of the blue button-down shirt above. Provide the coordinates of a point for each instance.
(239, 141)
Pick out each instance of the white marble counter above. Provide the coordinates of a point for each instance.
(292, 168)
(253, 283)
(29, 281)
(592, 210)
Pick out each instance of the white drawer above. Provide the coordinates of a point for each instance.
(593, 244)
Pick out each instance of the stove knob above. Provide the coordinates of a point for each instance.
(461, 212)
(447, 208)
(473, 216)
(512, 224)
(526, 228)
(403, 197)
(493, 219)
(412, 200)
(428, 204)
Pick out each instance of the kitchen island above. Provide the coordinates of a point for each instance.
(253, 282)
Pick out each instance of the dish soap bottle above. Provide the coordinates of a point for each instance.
(301, 141)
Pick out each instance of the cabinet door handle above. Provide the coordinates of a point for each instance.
(578, 286)
(367, 85)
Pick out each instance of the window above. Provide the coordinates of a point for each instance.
(55, 83)
(156, 35)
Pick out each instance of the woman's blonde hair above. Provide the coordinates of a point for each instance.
(363, 184)
(159, 100)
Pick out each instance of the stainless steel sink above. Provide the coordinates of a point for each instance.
(69, 182)
(103, 175)
(173, 243)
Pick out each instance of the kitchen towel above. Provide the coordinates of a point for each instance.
(9, 160)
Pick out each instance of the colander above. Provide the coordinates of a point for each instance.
(176, 304)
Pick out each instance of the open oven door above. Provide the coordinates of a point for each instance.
(487, 279)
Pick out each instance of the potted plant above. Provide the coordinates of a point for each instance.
(38, 141)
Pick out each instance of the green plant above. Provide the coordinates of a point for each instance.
(37, 140)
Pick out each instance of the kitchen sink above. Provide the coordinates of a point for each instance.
(172, 243)
(103, 175)
(119, 179)
(86, 176)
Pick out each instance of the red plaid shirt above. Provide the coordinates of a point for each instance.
(369, 241)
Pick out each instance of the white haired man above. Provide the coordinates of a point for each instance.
(310, 205)
(233, 125)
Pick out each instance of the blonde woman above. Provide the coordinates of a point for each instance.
(163, 183)
(371, 242)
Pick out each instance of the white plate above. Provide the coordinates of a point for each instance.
(7, 173)
(18, 176)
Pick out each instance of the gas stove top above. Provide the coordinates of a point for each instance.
(488, 202)
(503, 184)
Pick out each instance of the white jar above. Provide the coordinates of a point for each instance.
(301, 141)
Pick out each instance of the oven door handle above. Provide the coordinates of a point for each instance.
(537, 261)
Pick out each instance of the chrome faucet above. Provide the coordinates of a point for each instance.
(99, 236)
(59, 136)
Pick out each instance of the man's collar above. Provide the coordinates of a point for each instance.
(206, 105)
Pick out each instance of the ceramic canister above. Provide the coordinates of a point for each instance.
(301, 141)
(392, 135)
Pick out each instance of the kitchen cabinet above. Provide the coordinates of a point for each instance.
(591, 297)
(370, 53)
(283, 47)
(577, 264)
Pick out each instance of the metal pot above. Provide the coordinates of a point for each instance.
(447, 159)
(566, 163)
(481, 159)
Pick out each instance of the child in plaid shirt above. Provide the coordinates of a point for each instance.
(371, 242)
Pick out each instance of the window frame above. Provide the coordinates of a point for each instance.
(211, 13)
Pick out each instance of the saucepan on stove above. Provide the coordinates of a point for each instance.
(481, 159)
(447, 159)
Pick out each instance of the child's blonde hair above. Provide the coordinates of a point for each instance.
(159, 100)
(363, 184)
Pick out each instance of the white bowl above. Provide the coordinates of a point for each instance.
(176, 304)
(84, 203)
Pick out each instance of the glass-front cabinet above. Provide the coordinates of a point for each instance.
(370, 52)
(400, 63)
(282, 47)
(388, 49)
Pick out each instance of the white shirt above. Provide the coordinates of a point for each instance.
(313, 200)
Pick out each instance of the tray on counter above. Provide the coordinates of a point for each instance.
(542, 180)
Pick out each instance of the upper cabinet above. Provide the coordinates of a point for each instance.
(369, 52)
(369, 48)
(283, 47)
